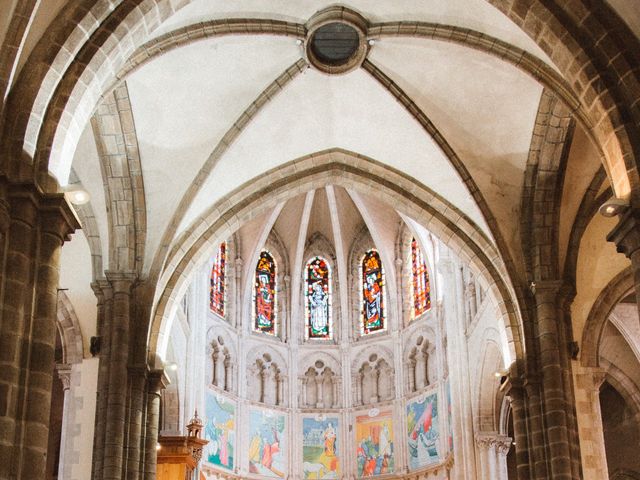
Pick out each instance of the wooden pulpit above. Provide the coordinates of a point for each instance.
(179, 456)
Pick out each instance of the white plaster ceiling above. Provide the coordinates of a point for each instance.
(379, 219)
(598, 263)
(86, 164)
(181, 116)
(484, 107)
(473, 14)
(317, 112)
(582, 164)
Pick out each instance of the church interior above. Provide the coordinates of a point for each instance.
(303, 239)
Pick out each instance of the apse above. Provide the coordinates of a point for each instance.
(315, 341)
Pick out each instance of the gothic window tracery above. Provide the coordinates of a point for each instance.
(420, 287)
(372, 283)
(217, 281)
(264, 295)
(318, 299)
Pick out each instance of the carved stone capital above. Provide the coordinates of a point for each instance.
(157, 380)
(626, 234)
(485, 441)
(547, 290)
(121, 281)
(64, 374)
(503, 444)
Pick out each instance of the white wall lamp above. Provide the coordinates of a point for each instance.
(77, 197)
(613, 207)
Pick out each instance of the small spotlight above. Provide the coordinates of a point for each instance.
(173, 366)
(613, 207)
(158, 446)
(298, 42)
(371, 42)
(78, 197)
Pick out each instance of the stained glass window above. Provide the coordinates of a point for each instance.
(372, 278)
(264, 295)
(217, 281)
(420, 289)
(318, 298)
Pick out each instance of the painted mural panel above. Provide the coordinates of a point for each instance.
(320, 449)
(220, 430)
(374, 444)
(423, 432)
(268, 443)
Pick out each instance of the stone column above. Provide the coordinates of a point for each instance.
(515, 391)
(588, 381)
(19, 249)
(135, 410)
(493, 449)
(115, 438)
(156, 382)
(484, 445)
(458, 359)
(104, 294)
(503, 445)
(548, 322)
(37, 226)
(64, 373)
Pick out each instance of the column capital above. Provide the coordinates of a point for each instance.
(157, 380)
(58, 218)
(121, 281)
(64, 374)
(626, 234)
(544, 289)
(485, 441)
(503, 444)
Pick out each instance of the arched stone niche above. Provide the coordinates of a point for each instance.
(222, 360)
(420, 363)
(373, 376)
(320, 382)
(266, 377)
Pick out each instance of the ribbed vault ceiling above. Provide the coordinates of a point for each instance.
(214, 114)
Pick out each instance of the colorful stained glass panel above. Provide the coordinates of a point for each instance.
(264, 294)
(318, 298)
(420, 288)
(217, 281)
(372, 277)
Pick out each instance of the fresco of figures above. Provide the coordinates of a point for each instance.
(423, 433)
(219, 430)
(320, 453)
(374, 444)
(267, 443)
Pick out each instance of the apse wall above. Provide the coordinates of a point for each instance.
(325, 412)
(282, 405)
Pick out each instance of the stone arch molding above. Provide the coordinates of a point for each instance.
(346, 169)
(95, 45)
(616, 290)
(69, 328)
